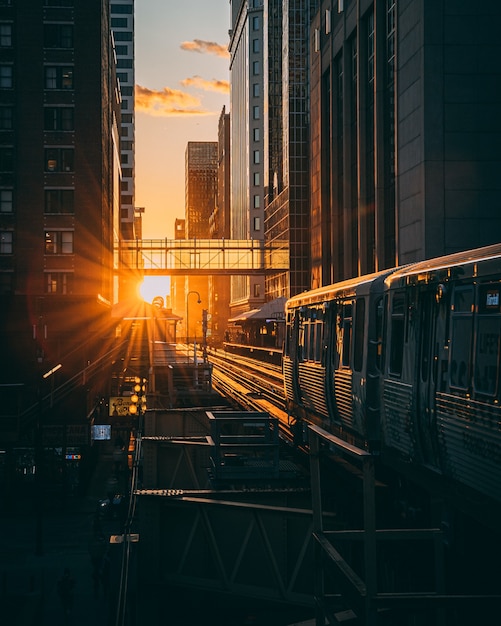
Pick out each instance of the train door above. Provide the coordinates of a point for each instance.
(429, 341)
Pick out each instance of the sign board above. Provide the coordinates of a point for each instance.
(119, 406)
(101, 432)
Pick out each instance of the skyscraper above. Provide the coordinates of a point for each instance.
(122, 24)
(59, 180)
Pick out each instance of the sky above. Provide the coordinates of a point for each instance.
(182, 84)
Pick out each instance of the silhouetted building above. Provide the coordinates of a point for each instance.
(122, 25)
(59, 178)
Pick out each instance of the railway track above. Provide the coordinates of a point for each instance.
(252, 385)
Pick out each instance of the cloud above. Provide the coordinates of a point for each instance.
(205, 47)
(222, 86)
(167, 102)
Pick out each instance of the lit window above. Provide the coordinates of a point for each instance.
(257, 223)
(59, 159)
(58, 242)
(257, 201)
(59, 283)
(58, 77)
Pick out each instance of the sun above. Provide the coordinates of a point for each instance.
(153, 286)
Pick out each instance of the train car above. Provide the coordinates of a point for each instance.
(407, 362)
(441, 372)
(332, 354)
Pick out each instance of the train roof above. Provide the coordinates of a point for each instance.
(340, 290)
(439, 268)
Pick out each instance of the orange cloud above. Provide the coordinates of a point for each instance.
(205, 47)
(167, 102)
(222, 86)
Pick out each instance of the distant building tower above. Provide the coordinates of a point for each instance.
(201, 160)
(122, 24)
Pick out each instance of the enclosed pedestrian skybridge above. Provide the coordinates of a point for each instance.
(161, 257)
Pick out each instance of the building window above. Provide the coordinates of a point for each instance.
(6, 159)
(6, 237)
(59, 201)
(255, 68)
(255, 45)
(6, 201)
(124, 9)
(6, 118)
(59, 283)
(59, 159)
(58, 35)
(255, 22)
(257, 290)
(255, 112)
(256, 134)
(255, 90)
(123, 36)
(6, 77)
(122, 50)
(119, 22)
(59, 77)
(257, 223)
(5, 35)
(257, 157)
(257, 180)
(257, 201)
(58, 242)
(124, 64)
(59, 118)
(123, 77)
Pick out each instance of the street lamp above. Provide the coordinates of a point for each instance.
(199, 301)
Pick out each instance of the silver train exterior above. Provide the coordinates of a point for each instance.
(406, 362)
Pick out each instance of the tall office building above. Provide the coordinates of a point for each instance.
(201, 170)
(286, 140)
(122, 24)
(270, 55)
(247, 137)
(405, 140)
(59, 189)
(201, 158)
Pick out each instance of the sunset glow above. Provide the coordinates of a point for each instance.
(154, 286)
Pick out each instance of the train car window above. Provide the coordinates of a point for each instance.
(486, 368)
(346, 333)
(379, 333)
(397, 333)
(461, 338)
(359, 335)
(318, 340)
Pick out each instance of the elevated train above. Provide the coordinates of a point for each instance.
(406, 363)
